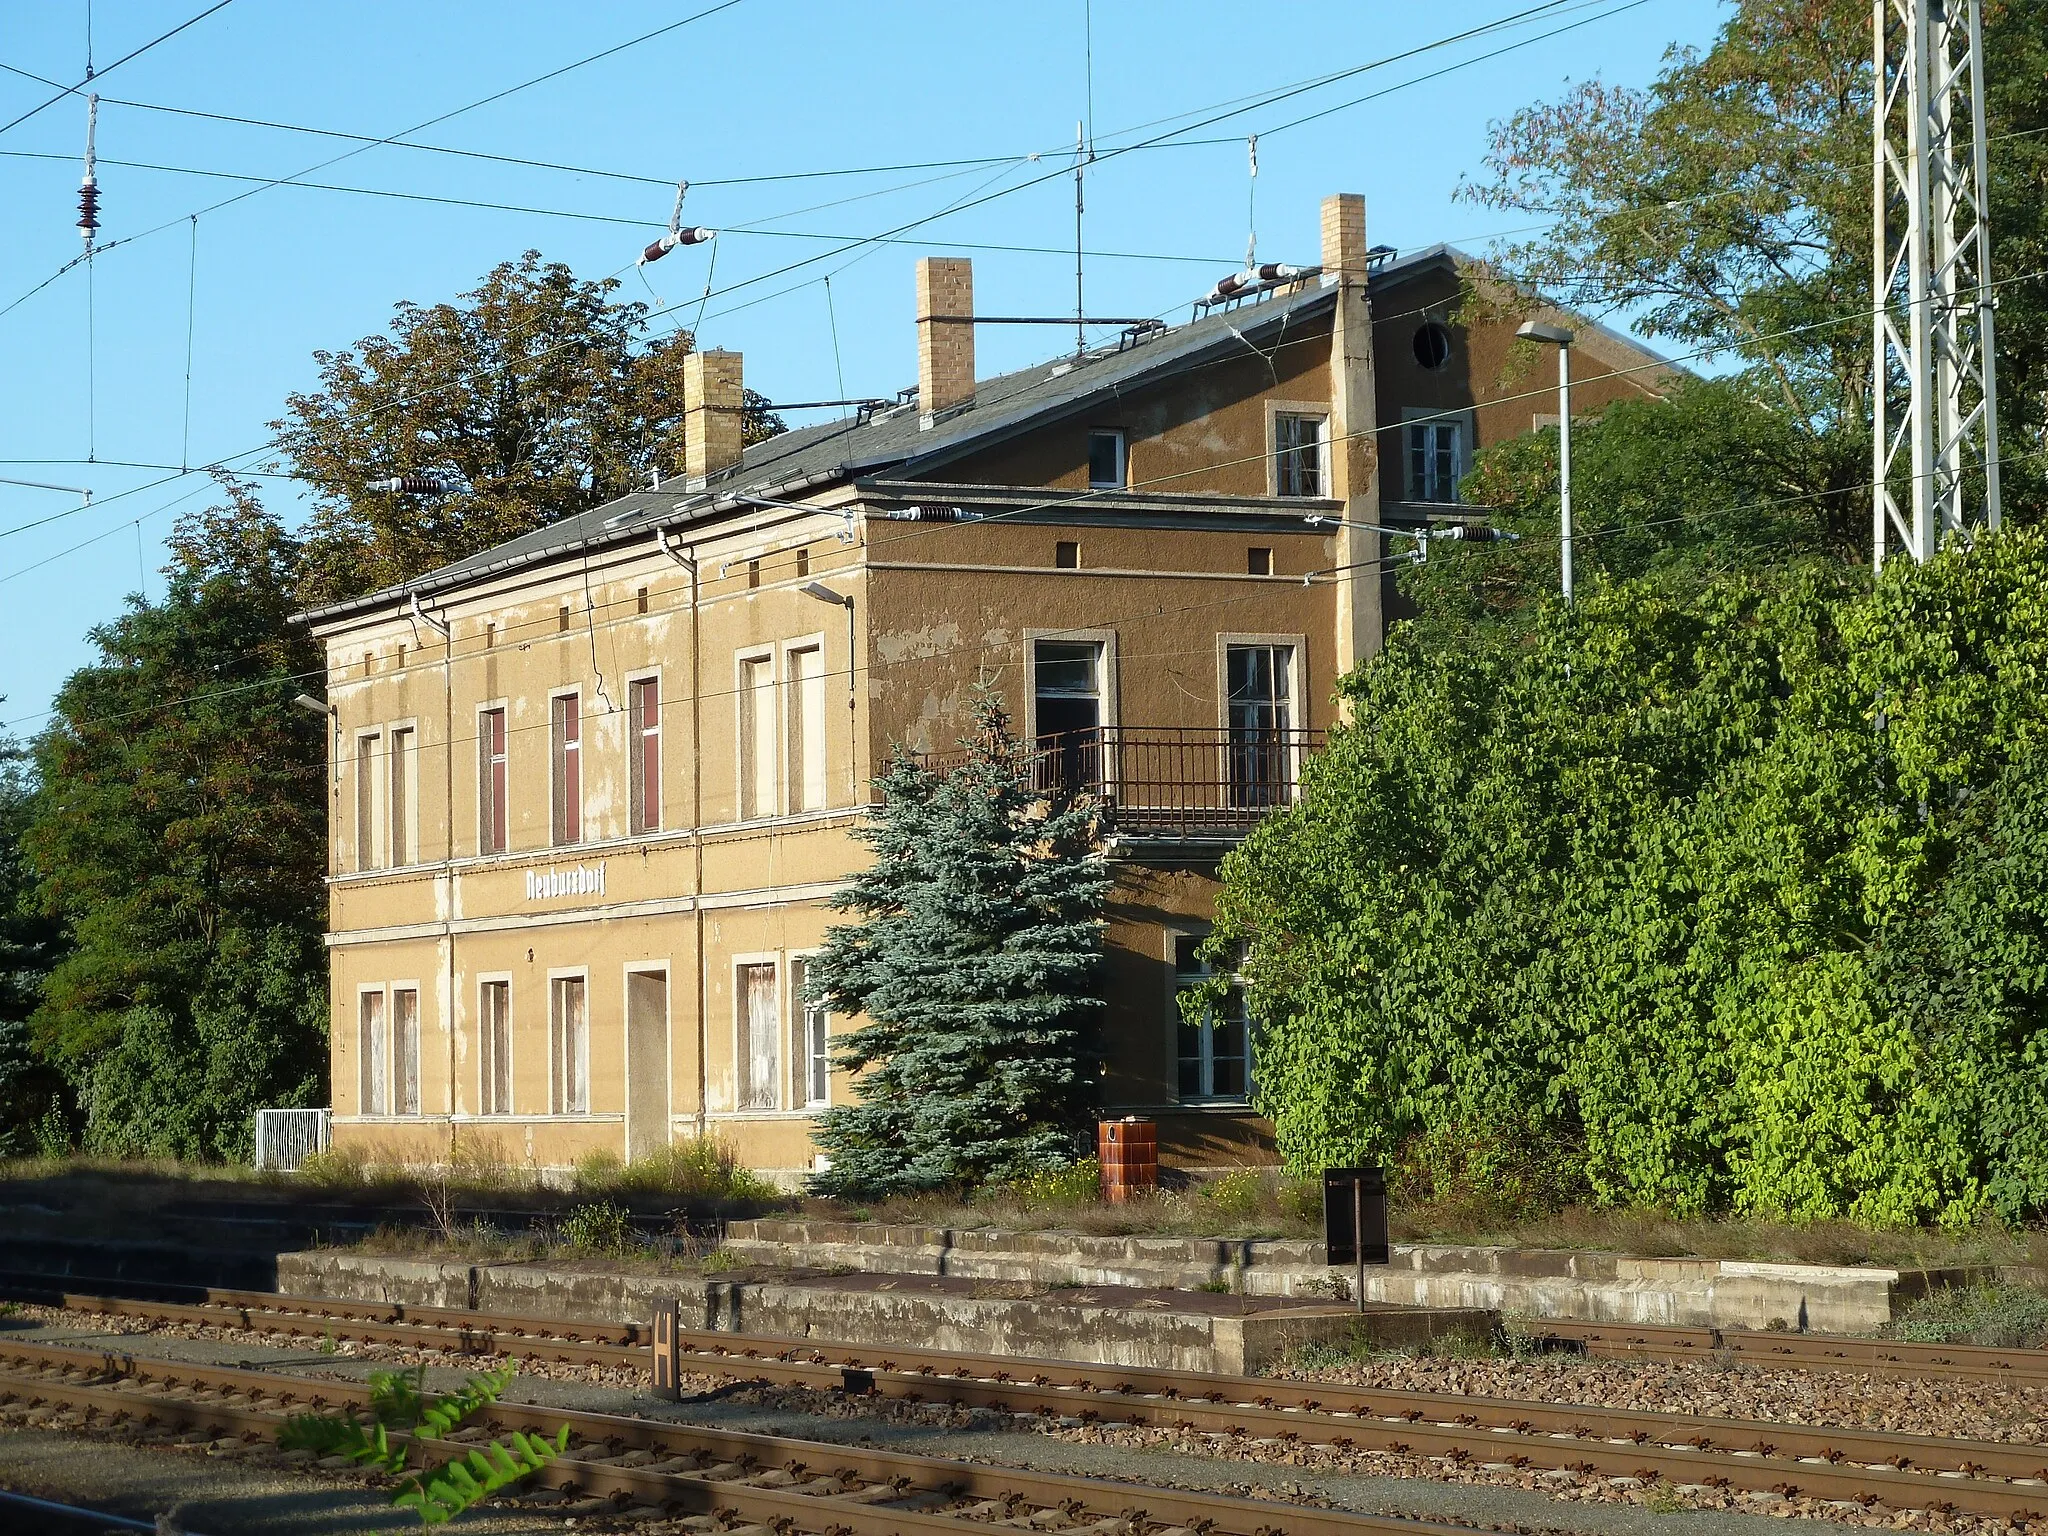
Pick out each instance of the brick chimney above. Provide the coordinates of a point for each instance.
(1344, 235)
(713, 398)
(945, 335)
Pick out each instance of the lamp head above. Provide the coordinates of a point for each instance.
(1538, 330)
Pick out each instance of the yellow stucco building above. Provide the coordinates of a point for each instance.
(592, 788)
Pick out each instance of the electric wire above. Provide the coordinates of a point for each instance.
(72, 90)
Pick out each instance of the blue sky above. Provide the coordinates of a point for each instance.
(760, 89)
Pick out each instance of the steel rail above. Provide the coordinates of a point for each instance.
(1806, 1351)
(1757, 1455)
(853, 1489)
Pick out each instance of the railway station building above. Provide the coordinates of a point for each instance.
(592, 789)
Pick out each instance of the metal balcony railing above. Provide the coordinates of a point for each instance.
(1172, 780)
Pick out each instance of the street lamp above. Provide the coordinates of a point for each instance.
(1537, 330)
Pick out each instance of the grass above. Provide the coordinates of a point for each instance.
(1999, 1316)
(1361, 1348)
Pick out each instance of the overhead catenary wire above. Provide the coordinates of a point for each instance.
(90, 76)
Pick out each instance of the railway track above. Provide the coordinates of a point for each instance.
(1805, 1351)
(758, 1482)
(1842, 1465)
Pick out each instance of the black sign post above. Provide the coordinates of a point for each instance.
(1355, 1220)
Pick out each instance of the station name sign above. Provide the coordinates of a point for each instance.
(576, 880)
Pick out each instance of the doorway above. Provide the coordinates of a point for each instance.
(647, 1084)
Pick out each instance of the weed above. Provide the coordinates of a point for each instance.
(700, 1169)
(2000, 1316)
(1661, 1498)
(336, 1168)
(720, 1261)
(1216, 1287)
(602, 1227)
(327, 1344)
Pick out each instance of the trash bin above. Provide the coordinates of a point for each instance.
(1128, 1150)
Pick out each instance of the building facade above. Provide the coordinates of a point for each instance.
(592, 789)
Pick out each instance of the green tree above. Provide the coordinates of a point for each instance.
(1727, 207)
(974, 961)
(29, 944)
(1711, 894)
(178, 835)
(535, 393)
(1701, 483)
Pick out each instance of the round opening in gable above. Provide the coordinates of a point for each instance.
(1432, 344)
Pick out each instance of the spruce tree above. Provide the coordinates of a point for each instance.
(974, 962)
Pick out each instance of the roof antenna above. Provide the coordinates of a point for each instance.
(1082, 155)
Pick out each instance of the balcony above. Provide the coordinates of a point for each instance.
(1172, 781)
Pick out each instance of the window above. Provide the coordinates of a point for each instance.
(1105, 459)
(367, 797)
(806, 729)
(1261, 683)
(1258, 561)
(565, 737)
(490, 637)
(803, 563)
(1297, 454)
(1067, 687)
(814, 1083)
(759, 1028)
(1436, 453)
(643, 745)
(371, 1075)
(562, 619)
(494, 1010)
(568, 1046)
(404, 798)
(491, 828)
(757, 737)
(405, 1049)
(1214, 1049)
(1066, 555)
(639, 599)
(753, 574)
(1432, 345)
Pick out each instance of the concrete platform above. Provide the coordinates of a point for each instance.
(1601, 1287)
(1101, 1325)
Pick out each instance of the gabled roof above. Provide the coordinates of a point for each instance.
(891, 440)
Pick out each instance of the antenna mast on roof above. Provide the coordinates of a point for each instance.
(1082, 155)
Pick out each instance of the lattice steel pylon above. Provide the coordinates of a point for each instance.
(1934, 387)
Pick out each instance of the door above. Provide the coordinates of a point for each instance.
(1067, 695)
(1261, 683)
(647, 1108)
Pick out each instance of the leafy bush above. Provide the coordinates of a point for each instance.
(602, 1227)
(1062, 1188)
(1997, 1316)
(1719, 893)
(336, 1168)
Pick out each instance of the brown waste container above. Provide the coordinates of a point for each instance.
(1128, 1150)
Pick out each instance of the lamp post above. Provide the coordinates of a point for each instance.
(824, 594)
(1561, 338)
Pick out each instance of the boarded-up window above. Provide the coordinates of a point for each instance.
(495, 1008)
(491, 818)
(759, 1029)
(643, 744)
(404, 801)
(569, 1046)
(405, 1049)
(807, 729)
(368, 832)
(371, 1074)
(757, 738)
(566, 734)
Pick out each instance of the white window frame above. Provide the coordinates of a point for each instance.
(627, 971)
(556, 790)
(800, 1032)
(636, 788)
(1171, 936)
(484, 1107)
(1419, 417)
(382, 1055)
(1123, 459)
(743, 703)
(419, 1023)
(1297, 692)
(558, 1106)
(1319, 409)
(371, 840)
(1106, 638)
(402, 830)
(787, 698)
(742, 1060)
(489, 706)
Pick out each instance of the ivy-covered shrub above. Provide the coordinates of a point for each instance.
(1722, 893)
